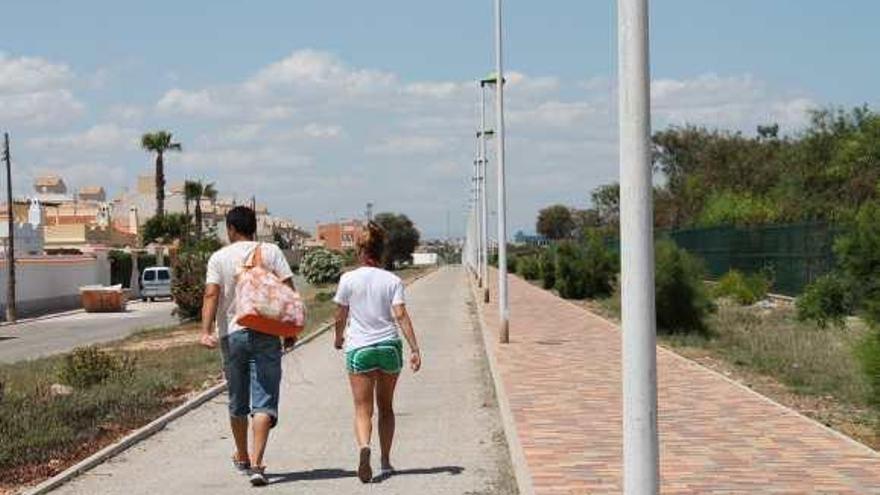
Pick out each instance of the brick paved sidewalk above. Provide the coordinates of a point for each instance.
(561, 375)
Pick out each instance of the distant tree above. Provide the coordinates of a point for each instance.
(402, 238)
(606, 201)
(555, 222)
(159, 142)
(167, 228)
(584, 221)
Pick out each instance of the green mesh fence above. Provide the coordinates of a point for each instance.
(793, 255)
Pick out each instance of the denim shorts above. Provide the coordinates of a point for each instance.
(252, 363)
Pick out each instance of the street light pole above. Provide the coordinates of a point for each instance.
(484, 200)
(640, 442)
(503, 307)
(10, 243)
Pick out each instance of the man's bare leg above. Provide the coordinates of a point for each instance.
(240, 434)
(261, 424)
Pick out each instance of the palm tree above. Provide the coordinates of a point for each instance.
(191, 192)
(211, 194)
(159, 142)
(205, 191)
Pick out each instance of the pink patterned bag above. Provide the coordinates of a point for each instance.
(266, 304)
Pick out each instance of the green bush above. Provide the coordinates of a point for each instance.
(547, 265)
(89, 366)
(321, 266)
(682, 302)
(584, 270)
(742, 288)
(601, 266)
(858, 252)
(188, 284)
(120, 268)
(323, 296)
(528, 267)
(868, 354)
(827, 300)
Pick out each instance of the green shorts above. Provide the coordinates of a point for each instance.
(386, 357)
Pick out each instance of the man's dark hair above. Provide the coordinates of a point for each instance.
(243, 220)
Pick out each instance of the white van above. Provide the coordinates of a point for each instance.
(155, 282)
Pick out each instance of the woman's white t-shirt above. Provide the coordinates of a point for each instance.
(369, 294)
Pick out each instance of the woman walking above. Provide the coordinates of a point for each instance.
(370, 310)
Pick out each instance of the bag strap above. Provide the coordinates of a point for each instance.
(255, 258)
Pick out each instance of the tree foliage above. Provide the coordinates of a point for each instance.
(159, 142)
(321, 266)
(555, 222)
(402, 238)
(166, 228)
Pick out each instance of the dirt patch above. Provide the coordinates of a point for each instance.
(177, 338)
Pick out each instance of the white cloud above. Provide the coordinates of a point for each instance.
(739, 102)
(317, 70)
(36, 92)
(100, 137)
(40, 109)
(31, 75)
(202, 103)
(320, 131)
(408, 145)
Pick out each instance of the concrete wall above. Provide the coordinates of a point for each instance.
(422, 259)
(46, 284)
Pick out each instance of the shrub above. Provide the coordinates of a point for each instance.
(547, 266)
(120, 268)
(827, 300)
(858, 252)
(744, 289)
(571, 270)
(868, 355)
(188, 285)
(528, 267)
(682, 302)
(89, 366)
(323, 296)
(321, 266)
(601, 266)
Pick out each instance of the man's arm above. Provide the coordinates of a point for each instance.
(401, 315)
(209, 314)
(341, 321)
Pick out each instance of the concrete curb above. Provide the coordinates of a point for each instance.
(517, 455)
(144, 432)
(160, 423)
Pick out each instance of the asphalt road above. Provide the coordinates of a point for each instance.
(54, 334)
(449, 438)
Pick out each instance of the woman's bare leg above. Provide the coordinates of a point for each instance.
(385, 385)
(362, 390)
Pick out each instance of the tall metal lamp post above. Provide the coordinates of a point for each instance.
(503, 306)
(640, 442)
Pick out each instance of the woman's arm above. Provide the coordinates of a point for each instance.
(406, 326)
(341, 321)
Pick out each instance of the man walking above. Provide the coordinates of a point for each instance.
(251, 360)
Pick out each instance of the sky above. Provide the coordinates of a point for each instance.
(320, 107)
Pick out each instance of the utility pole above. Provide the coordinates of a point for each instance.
(10, 243)
(641, 467)
(484, 135)
(503, 306)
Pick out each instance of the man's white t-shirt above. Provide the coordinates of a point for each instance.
(369, 294)
(223, 268)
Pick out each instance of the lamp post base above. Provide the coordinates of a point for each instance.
(504, 333)
(486, 295)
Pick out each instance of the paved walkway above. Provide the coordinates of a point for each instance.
(449, 437)
(561, 375)
(49, 335)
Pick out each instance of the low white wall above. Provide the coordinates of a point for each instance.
(51, 283)
(422, 259)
